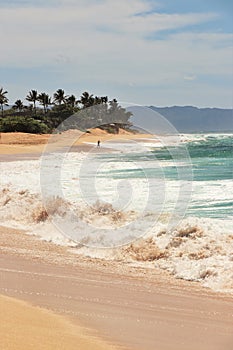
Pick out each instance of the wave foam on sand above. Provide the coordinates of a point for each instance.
(198, 249)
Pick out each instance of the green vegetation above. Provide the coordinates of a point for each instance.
(23, 124)
(44, 114)
(3, 99)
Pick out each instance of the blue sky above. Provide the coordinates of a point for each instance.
(146, 52)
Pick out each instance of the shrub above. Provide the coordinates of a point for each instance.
(23, 124)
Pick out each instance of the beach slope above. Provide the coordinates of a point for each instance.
(136, 308)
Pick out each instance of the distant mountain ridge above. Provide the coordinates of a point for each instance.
(193, 119)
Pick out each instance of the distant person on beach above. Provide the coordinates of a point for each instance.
(98, 143)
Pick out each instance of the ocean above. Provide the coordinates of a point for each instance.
(156, 202)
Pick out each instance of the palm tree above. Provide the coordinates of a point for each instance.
(59, 97)
(32, 96)
(97, 100)
(87, 100)
(44, 100)
(71, 101)
(114, 105)
(101, 100)
(118, 115)
(18, 106)
(104, 99)
(3, 99)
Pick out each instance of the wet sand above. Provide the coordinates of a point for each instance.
(134, 308)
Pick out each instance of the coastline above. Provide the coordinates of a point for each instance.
(135, 308)
(31, 146)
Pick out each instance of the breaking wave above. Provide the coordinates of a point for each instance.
(198, 249)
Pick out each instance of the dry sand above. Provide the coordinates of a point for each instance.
(24, 327)
(134, 308)
(26, 144)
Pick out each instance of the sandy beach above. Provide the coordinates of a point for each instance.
(127, 306)
(73, 302)
(31, 145)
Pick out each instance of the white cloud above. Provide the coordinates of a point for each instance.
(105, 41)
(78, 29)
(190, 77)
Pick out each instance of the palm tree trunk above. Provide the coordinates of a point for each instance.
(34, 107)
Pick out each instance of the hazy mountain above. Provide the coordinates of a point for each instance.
(183, 119)
(190, 119)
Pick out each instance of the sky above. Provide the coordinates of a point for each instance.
(145, 52)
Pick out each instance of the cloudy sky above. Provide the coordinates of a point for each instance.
(165, 52)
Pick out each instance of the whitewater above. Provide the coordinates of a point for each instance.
(138, 202)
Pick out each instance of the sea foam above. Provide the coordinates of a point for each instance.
(198, 249)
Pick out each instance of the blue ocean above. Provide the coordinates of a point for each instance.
(211, 164)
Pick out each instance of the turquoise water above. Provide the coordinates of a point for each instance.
(210, 162)
(212, 158)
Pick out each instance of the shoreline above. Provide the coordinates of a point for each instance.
(32, 146)
(127, 306)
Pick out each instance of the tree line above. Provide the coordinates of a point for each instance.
(43, 113)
